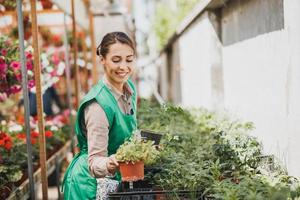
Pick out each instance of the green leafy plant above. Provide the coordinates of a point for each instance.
(213, 154)
(9, 5)
(135, 150)
(167, 18)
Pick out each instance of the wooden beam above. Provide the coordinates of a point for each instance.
(93, 47)
(37, 75)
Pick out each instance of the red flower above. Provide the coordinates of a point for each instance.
(21, 136)
(28, 55)
(2, 59)
(64, 120)
(48, 134)
(29, 65)
(33, 140)
(4, 52)
(2, 135)
(34, 134)
(8, 146)
(18, 76)
(5, 141)
(15, 89)
(3, 69)
(31, 83)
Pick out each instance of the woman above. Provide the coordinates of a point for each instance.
(105, 118)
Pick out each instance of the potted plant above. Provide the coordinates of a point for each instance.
(9, 5)
(46, 4)
(133, 155)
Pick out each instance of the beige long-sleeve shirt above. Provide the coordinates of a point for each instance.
(96, 127)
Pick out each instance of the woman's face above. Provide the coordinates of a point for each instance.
(118, 63)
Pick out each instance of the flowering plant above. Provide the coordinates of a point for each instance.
(52, 67)
(12, 157)
(13, 153)
(10, 68)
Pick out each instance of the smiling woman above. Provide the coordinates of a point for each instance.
(118, 61)
(105, 119)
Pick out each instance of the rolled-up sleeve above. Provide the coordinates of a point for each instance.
(97, 128)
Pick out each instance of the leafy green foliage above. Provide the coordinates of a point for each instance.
(167, 18)
(211, 153)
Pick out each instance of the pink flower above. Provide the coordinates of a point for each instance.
(15, 89)
(53, 73)
(15, 65)
(28, 55)
(8, 43)
(55, 58)
(2, 60)
(66, 113)
(3, 69)
(29, 65)
(3, 97)
(18, 76)
(31, 83)
(4, 52)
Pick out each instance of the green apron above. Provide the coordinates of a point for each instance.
(78, 183)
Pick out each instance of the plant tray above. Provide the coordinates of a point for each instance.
(150, 135)
(151, 194)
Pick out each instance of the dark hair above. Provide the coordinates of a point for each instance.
(112, 38)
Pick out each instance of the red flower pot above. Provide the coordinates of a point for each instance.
(132, 171)
(46, 4)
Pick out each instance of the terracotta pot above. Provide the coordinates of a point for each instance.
(46, 4)
(132, 171)
(10, 8)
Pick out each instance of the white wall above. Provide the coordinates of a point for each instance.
(262, 84)
(260, 78)
(292, 16)
(194, 62)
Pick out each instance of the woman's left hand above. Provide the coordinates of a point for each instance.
(112, 164)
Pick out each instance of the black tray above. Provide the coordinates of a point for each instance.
(155, 194)
(150, 135)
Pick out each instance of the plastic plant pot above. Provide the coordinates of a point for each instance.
(132, 171)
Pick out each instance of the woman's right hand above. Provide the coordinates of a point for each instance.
(112, 164)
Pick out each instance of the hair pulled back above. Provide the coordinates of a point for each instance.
(112, 38)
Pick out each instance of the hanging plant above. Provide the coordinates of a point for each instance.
(10, 67)
(57, 40)
(14, 33)
(9, 5)
(46, 36)
(80, 40)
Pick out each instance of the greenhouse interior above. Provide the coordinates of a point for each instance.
(150, 99)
